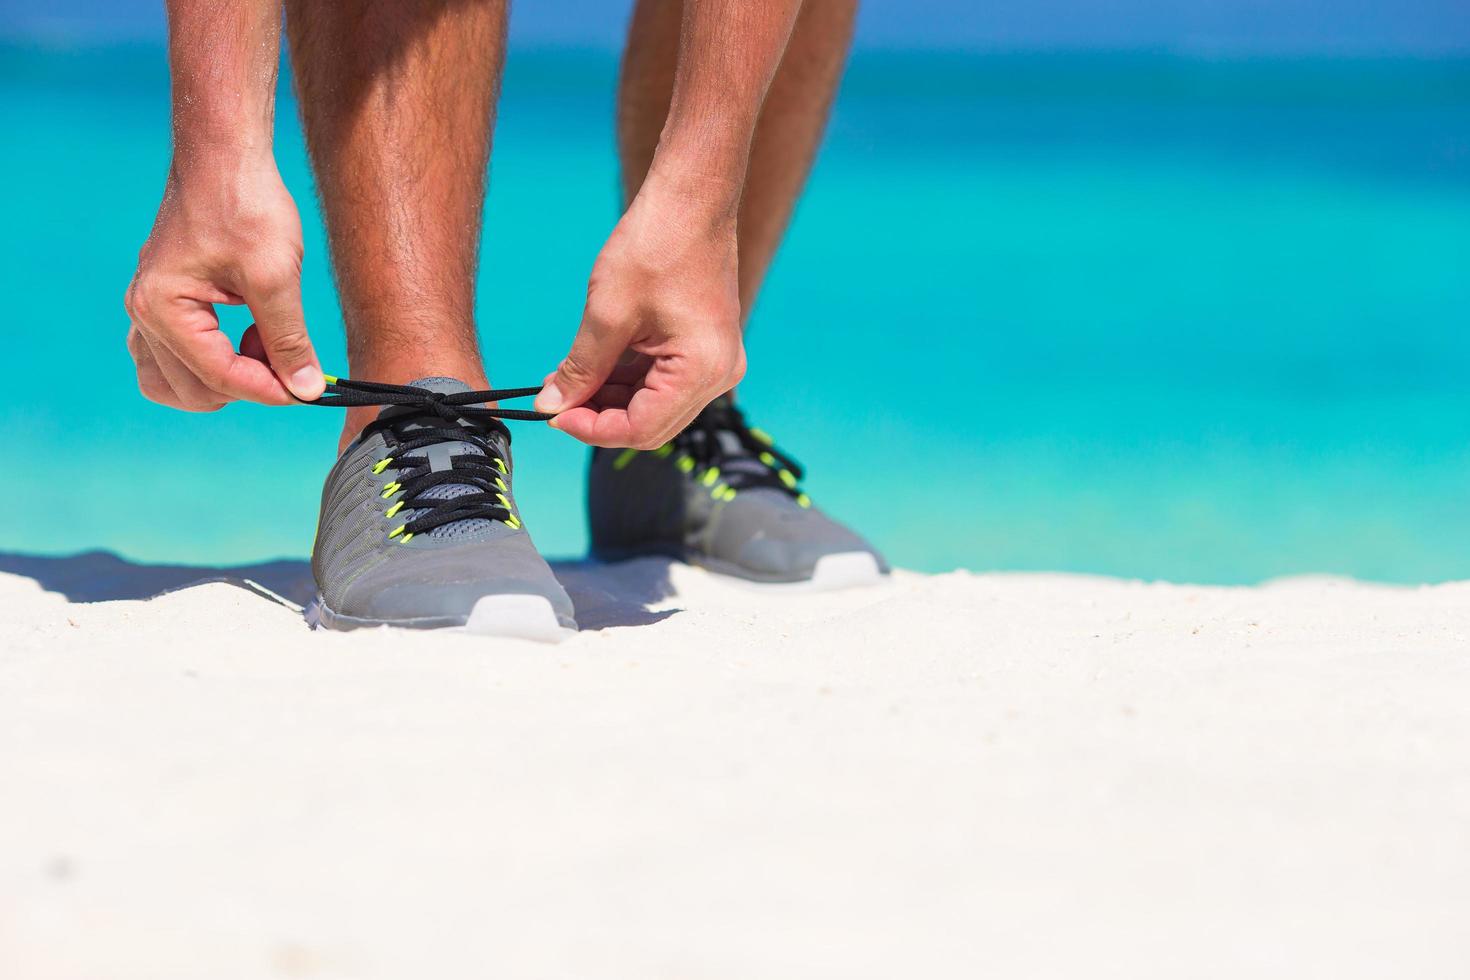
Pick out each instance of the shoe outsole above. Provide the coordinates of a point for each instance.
(531, 617)
(508, 616)
(843, 570)
(525, 617)
(832, 573)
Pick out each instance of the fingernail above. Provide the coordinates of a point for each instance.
(550, 398)
(307, 383)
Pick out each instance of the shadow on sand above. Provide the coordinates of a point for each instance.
(605, 595)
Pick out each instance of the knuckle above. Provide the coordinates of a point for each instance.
(606, 313)
(269, 273)
(210, 375)
(576, 369)
(153, 389)
(291, 346)
(141, 296)
(737, 370)
(721, 364)
(645, 441)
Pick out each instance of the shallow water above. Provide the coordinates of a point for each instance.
(1132, 315)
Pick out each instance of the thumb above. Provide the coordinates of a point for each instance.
(281, 324)
(587, 365)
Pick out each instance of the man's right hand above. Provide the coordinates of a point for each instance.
(222, 238)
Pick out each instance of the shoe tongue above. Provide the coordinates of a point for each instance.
(438, 455)
(731, 446)
(443, 385)
(736, 460)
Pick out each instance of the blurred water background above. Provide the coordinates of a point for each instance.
(1197, 316)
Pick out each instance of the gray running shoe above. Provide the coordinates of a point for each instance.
(721, 496)
(419, 527)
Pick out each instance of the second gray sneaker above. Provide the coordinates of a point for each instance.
(721, 496)
(419, 526)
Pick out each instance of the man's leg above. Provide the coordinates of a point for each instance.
(786, 138)
(398, 100)
(721, 495)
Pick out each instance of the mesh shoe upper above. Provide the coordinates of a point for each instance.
(721, 495)
(418, 521)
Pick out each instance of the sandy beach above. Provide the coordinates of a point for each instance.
(949, 775)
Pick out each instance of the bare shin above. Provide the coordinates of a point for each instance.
(398, 101)
(788, 130)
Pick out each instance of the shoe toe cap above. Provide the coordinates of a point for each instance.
(786, 543)
(441, 586)
(452, 602)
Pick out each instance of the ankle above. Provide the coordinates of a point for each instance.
(357, 419)
(402, 371)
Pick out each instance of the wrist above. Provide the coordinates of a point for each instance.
(216, 169)
(697, 183)
(201, 148)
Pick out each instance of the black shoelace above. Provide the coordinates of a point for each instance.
(703, 443)
(436, 418)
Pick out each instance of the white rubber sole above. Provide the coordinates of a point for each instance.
(847, 570)
(517, 617)
(521, 617)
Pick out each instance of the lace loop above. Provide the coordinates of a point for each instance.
(346, 393)
(433, 418)
(703, 443)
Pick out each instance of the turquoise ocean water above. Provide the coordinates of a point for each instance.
(1127, 314)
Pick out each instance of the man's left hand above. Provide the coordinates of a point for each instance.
(660, 335)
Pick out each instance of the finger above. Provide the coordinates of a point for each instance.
(276, 303)
(612, 396)
(192, 394)
(630, 369)
(672, 393)
(595, 427)
(252, 346)
(151, 382)
(618, 389)
(653, 415)
(593, 356)
(675, 390)
(189, 328)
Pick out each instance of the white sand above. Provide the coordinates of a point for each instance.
(950, 776)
